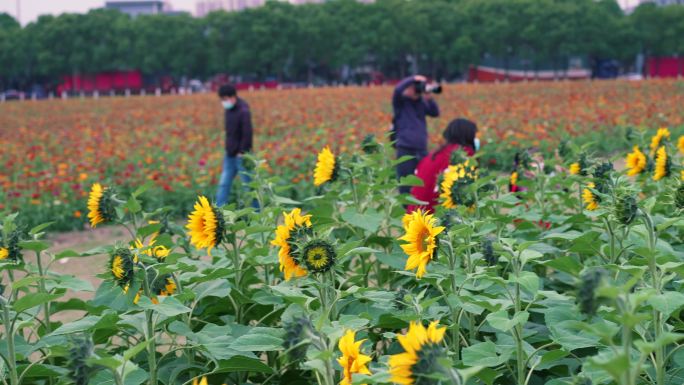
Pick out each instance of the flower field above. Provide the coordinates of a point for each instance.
(54, 150)
(566, 270)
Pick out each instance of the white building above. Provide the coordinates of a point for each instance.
(142, 7)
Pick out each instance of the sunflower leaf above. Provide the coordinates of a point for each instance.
(32, 300)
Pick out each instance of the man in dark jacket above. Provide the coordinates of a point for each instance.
(410, 128)
(238, 127)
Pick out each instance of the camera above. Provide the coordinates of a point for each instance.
(424, 87)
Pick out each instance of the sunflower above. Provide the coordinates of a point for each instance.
(421, 235)
(164, 286)
(513, 182)
(11, 251)
(294, 227)
(456, 179)
(680, 144)
(121, 264)
(575, 169)
(100, 205)
(136, 299)
(421, 353)
(205, 225)
(326, 167)
(590, 200)
(406, 220)
(636, 162)
(160, 252)
(352, 361)
(657, 139)
(202, 381)
(319, 256)
(662, 164)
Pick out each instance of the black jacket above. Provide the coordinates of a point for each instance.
(238, 129)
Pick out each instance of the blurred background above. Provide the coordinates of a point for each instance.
(56, 48)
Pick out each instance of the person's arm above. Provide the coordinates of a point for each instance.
(431, 107)
(400, 88)
(246, 127)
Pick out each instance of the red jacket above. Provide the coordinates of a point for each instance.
(429, 170)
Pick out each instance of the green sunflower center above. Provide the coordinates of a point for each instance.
(319, 256)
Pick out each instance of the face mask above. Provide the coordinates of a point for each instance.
(477, 144)
(227, 104)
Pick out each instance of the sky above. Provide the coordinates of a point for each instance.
(31, 9)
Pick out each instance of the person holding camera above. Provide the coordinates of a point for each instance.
(412, 101)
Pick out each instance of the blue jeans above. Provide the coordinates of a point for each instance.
(232, 165)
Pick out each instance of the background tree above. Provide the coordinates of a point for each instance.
(338, 40)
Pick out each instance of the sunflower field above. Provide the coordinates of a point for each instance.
(567, 270)
(53, 151)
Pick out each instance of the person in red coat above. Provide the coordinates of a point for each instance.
(460, 134)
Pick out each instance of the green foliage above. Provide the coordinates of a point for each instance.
(530, 287)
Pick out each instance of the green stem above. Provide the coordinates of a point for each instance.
(150, 336)
(46, 305)
(542, 188)
(581, 206)
(657, 316)
(612, 240)
(454, 378)
(353, 188)
(518, 335)
(238, 274)
(9, 331)
(42, 289)
(627, 346)
(455, 338)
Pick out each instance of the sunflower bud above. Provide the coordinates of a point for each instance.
(580, 167)
(81, 349)
(586, 297)
(603, 170)
(487, 247)
(563, 148)
(625, 208)
(296, 337)
(121, 266)
(679, 197)
(629, 134)
(370, 145)
(318, 255)
(399, 299)
(12, 250)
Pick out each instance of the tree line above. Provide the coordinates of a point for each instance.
(336, 39)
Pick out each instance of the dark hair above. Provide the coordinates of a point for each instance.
(460, 131)
(227, 90)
